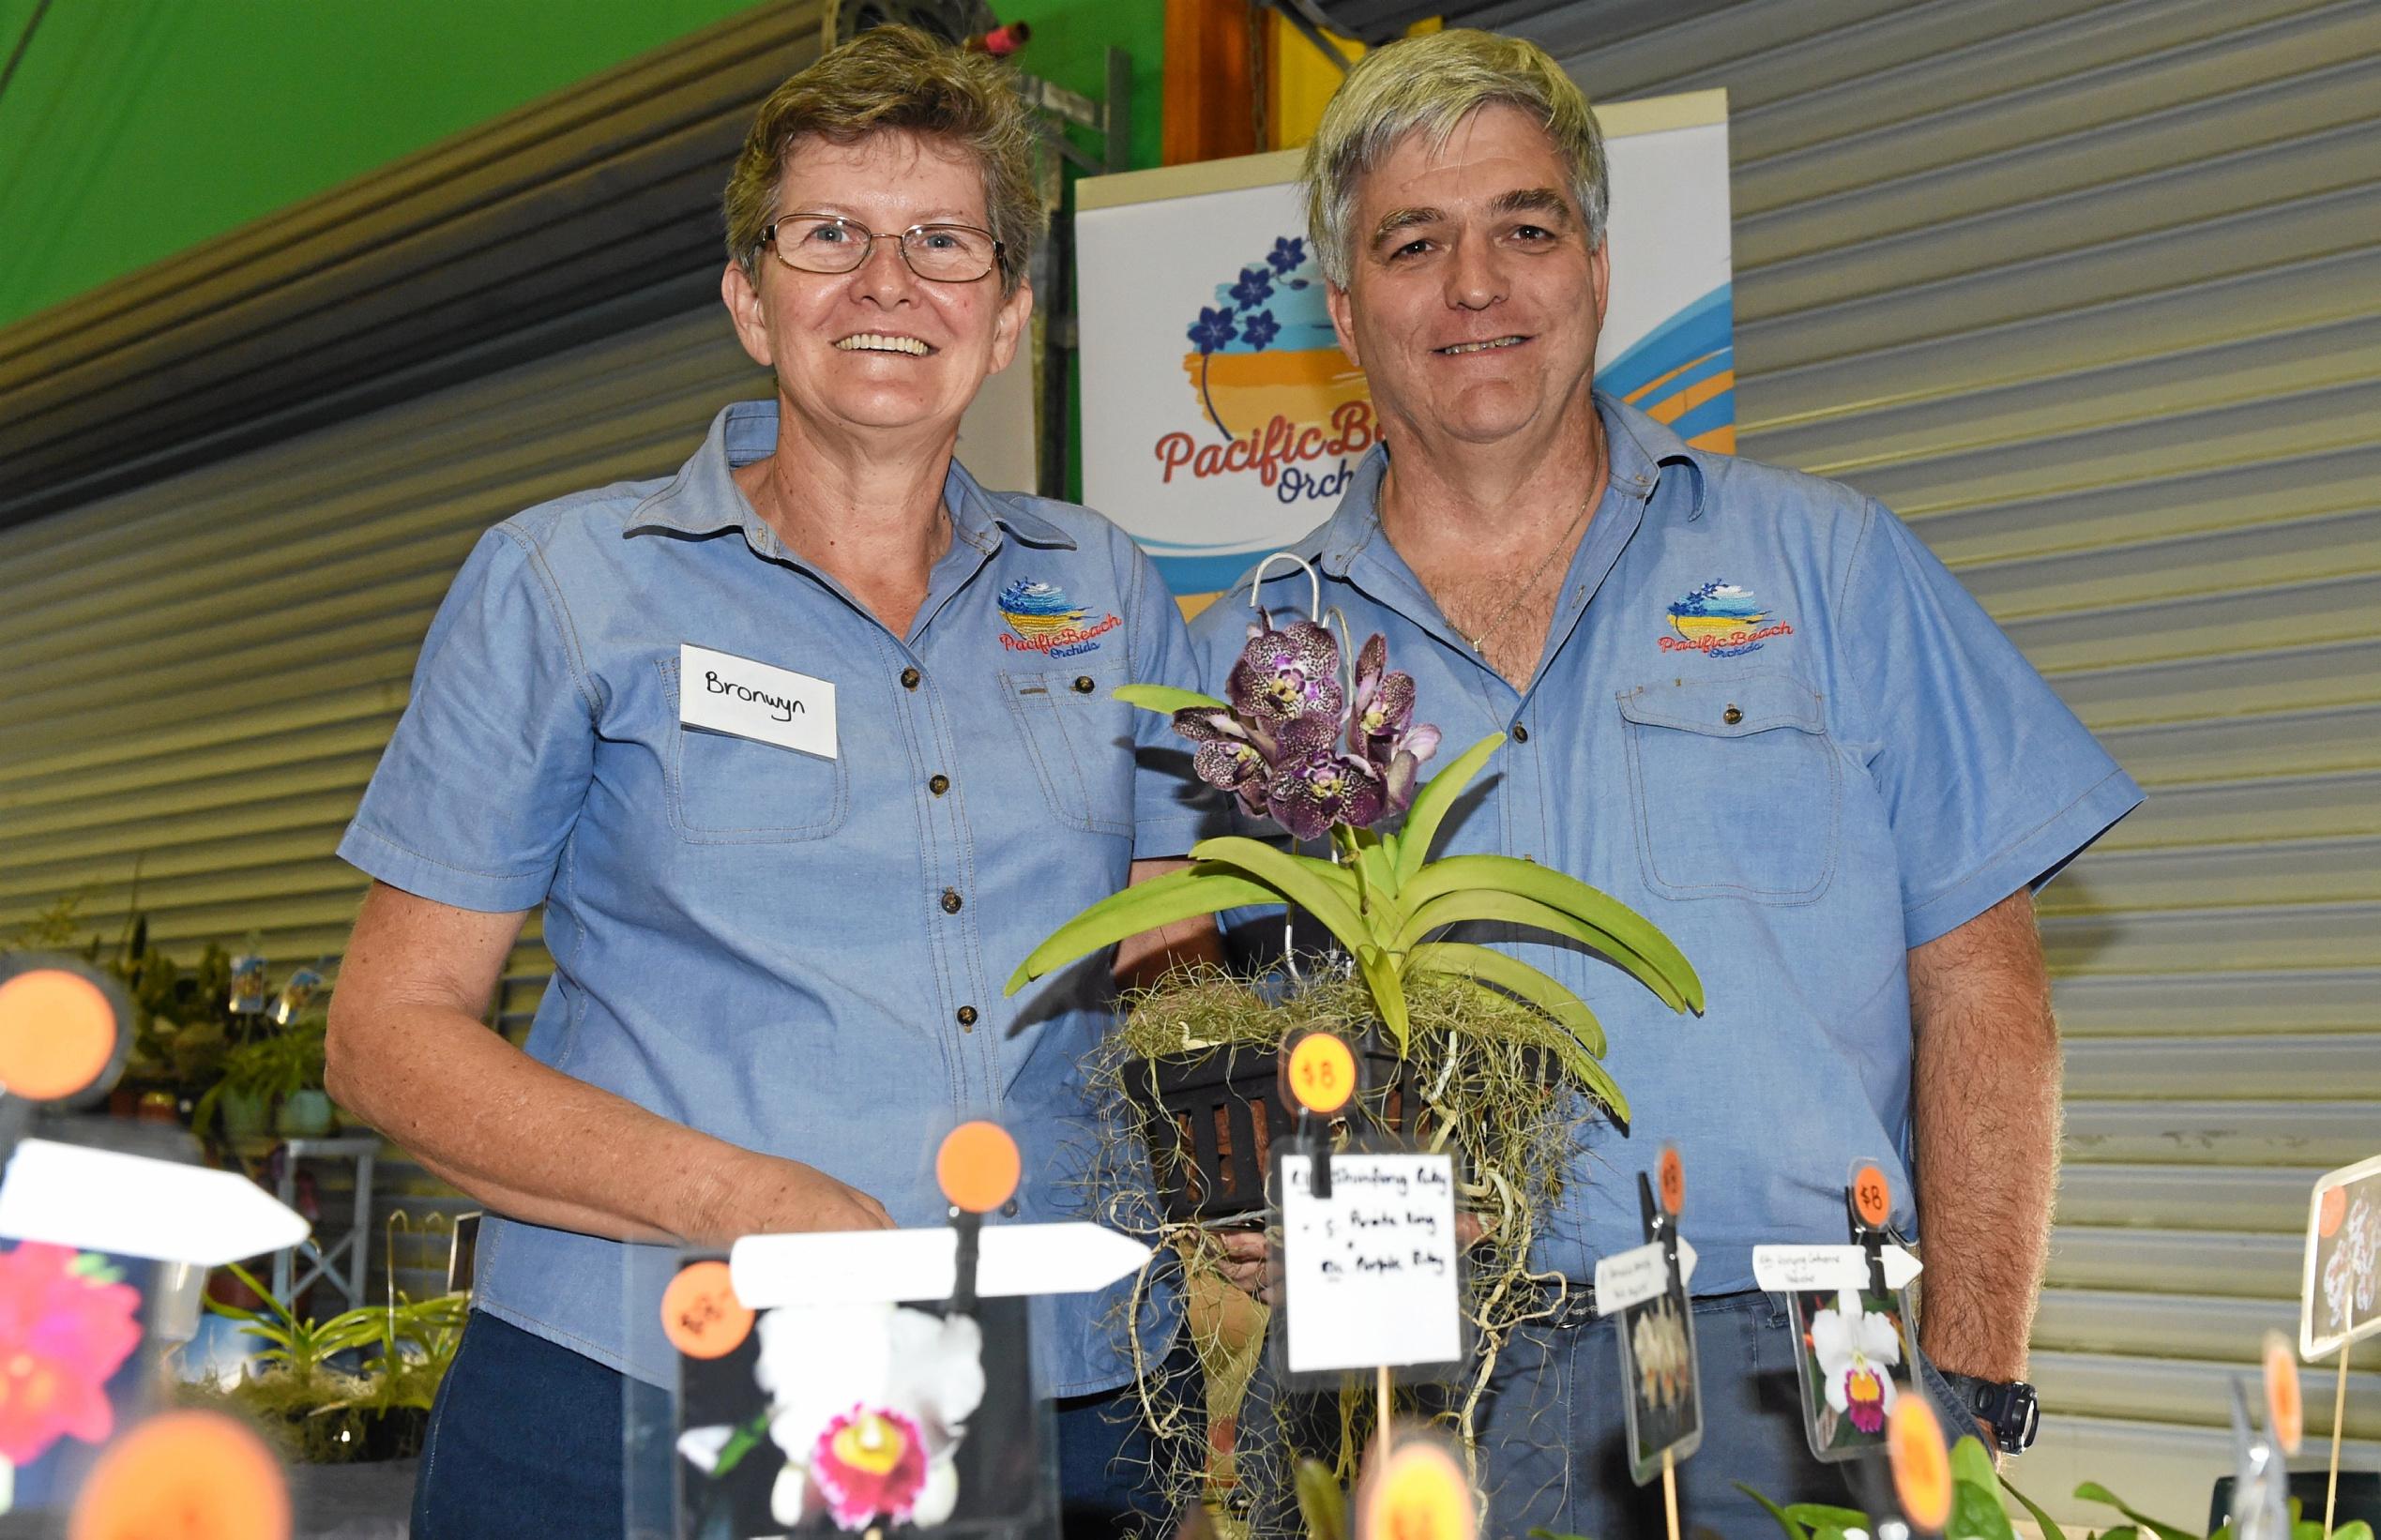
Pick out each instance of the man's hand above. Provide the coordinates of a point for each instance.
(1244, 1253)
(1985, 1103)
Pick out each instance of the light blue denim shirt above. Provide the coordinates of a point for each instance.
(800, 955)
(1769, 720)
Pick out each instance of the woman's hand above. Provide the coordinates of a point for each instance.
(785, 1196)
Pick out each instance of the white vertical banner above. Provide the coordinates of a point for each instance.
(1220, 417)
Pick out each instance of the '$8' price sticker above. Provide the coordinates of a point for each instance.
(1872, 1198)
(1322, 1073)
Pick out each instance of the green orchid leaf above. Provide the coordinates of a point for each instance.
(1166, 700)
(1321, 1502)
(1302, 879)
(1376, 860)
(1815, 1514)
(1389, 994)
(1560, 890)
(740, 1444)
(2092, 1491)
(1485, 965)
(2042, 1520)
(1431, 803)
(1785, 1521)
(1482, 903)
(1201, 888)
(1977, 1514)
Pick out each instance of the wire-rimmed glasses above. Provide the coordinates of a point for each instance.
(829, 243)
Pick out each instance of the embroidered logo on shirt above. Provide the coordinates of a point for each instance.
(1721, 620)
(1044, 620)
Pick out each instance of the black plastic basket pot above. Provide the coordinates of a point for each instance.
(1211, 1122)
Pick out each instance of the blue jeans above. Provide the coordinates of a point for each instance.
(1554, 1432)
(529, 1439)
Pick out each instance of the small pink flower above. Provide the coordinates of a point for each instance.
(62, 1338)
(870, 1463)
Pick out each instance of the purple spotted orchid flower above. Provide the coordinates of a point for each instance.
(1381, 727)
(1278, 747)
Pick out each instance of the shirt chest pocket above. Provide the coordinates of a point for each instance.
(1079, 737)
(1735, 786)
(723, 790)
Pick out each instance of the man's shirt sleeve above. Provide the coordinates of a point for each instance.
(1989, 782)
(485, 776)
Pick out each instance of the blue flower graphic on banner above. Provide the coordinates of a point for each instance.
(1259, 329)
(1255, 288)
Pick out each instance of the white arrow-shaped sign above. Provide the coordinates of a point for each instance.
(132, 1206)
(1637, 1275)
(1789, 1269)
(851, 1267)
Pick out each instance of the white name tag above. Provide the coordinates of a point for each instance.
(729, 694)
(1792, 1269)
(1637, 1275)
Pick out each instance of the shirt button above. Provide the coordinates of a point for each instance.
(1521, 733)
(967, 1018)
(1082, 683)
(1010, 1210)
(938, 784)
(909, 678)
(1731, 716)
(950, 900)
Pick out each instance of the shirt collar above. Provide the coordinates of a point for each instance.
(1639, 449)
(704, 499)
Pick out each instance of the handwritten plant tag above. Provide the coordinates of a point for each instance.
(2340, 1295)
(1371, 1273)
(723, 693)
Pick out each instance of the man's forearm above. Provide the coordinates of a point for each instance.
(1986, 1104)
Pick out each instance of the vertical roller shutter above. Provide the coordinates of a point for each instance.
(2086, 290)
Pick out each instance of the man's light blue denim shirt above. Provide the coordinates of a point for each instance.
(1769, 720)
(800, 955)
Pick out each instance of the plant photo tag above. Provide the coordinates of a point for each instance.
(1851, 1358)
(1371, 1274)
(2340, 1294)
(827, 1419)
(1664, 1382)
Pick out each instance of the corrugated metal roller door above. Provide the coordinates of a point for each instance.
(202, 672)
(2088, 292)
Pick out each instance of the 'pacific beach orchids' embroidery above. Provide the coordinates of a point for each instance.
(1855, 1349)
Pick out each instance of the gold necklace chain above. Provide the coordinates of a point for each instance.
(1537, 574)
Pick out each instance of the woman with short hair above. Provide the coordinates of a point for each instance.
(801, 749)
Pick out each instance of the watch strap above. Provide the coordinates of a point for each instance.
(2009, 1407)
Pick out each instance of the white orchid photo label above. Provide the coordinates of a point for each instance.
(1853, 1359)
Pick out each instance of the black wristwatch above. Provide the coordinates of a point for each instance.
(2009, 1407)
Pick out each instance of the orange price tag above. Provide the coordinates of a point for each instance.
(700, 1313)
(1322, 1073)
(196, 1476)
(1672, 1180)
(1420, 1494)
(1871, 1196)
(2285, 1409)
(977, 1167)
(57, 1033)
(1922, 1464)
(2330, 1209)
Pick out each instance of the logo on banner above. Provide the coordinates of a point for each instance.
(1721, 620)
(1275, 397)
(1043, 619)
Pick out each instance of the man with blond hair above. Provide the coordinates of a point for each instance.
(1838, 808)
